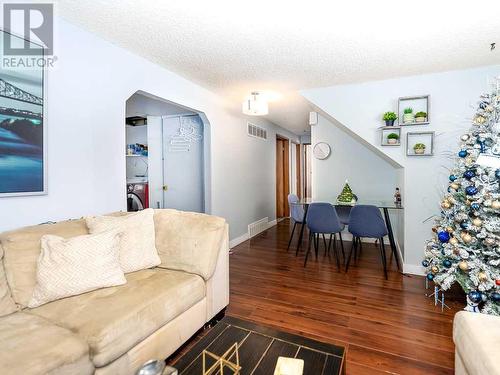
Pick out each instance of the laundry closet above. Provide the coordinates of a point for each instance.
(166, 148)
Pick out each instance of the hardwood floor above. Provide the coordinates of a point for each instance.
(387, 326)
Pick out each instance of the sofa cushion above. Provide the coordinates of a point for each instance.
(477, 340)
(68, 267)
(113, 320)
(33, 345)
(188, 241)
(137, 243)
(7, 304)
(22, 249)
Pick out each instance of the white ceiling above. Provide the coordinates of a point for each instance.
(234, 47)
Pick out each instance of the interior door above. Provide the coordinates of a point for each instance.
(183, 172)
(282, 177)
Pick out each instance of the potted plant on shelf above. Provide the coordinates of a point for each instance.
(420, 116)
(419, 148)
(408, 115)
(392, 139)
(389, 118)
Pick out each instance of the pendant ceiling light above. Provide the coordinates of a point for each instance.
(255, 105)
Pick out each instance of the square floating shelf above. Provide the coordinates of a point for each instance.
(418, 104)
(425, 138)
(385, 131)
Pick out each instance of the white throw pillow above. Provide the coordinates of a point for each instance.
(137, 243)
(67, 267)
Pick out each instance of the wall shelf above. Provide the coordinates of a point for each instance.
(418, 104)
(136, 156)
(385, 131)
(427, 138)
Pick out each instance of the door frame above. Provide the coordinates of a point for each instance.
(282, 145)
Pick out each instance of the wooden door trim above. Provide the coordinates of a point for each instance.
(282, 176)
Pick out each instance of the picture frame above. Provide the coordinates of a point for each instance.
(23, 127)
(414, 139)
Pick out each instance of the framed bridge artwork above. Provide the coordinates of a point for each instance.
(23, 133)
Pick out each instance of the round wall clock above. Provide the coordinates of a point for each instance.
(321, 150)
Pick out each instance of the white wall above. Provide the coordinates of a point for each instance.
(86, 138)
(370, 176)
(358, 108)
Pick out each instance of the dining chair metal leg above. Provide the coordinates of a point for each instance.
(384, 259)
(349, 257)
(324, 241)
(330, 244)
(337, 258)
(342, 247)
(300, 240)
(291, 236)
(311, 235)
(360, 246)
(316, 244)
(356, 242)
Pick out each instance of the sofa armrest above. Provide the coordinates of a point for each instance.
(477, 343)
(217, 287)
(188, 241)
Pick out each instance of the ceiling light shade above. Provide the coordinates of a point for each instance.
(255, 105)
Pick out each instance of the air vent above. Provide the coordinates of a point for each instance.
(256, 131)
(257, 227)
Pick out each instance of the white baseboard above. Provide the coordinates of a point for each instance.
(413, 269)
(236, 241)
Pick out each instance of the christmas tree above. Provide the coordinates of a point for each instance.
(346, 196)
(465, 247)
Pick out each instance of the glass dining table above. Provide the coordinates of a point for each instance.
(385, 206)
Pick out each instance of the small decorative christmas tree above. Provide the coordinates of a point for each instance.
(346, 196)
(465, 247)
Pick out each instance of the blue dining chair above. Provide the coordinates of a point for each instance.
(366, 221)
(322, 219)
(296, 214)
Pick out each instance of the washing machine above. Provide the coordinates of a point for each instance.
(137, 196)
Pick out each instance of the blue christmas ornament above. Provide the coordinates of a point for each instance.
(462, 153)
(471, 190)
(464, 224)
(430, 276)
(469, 174)
(453, 177)
(495, 297)
(425, 263)
(475, 206)
(447, 263)
(475, 296)
(443, 236)
(481, 143)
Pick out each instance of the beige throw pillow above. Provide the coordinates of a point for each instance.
(67, 267)
(137, 244)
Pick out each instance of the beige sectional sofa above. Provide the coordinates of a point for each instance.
(113, 330)
(477, 344)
